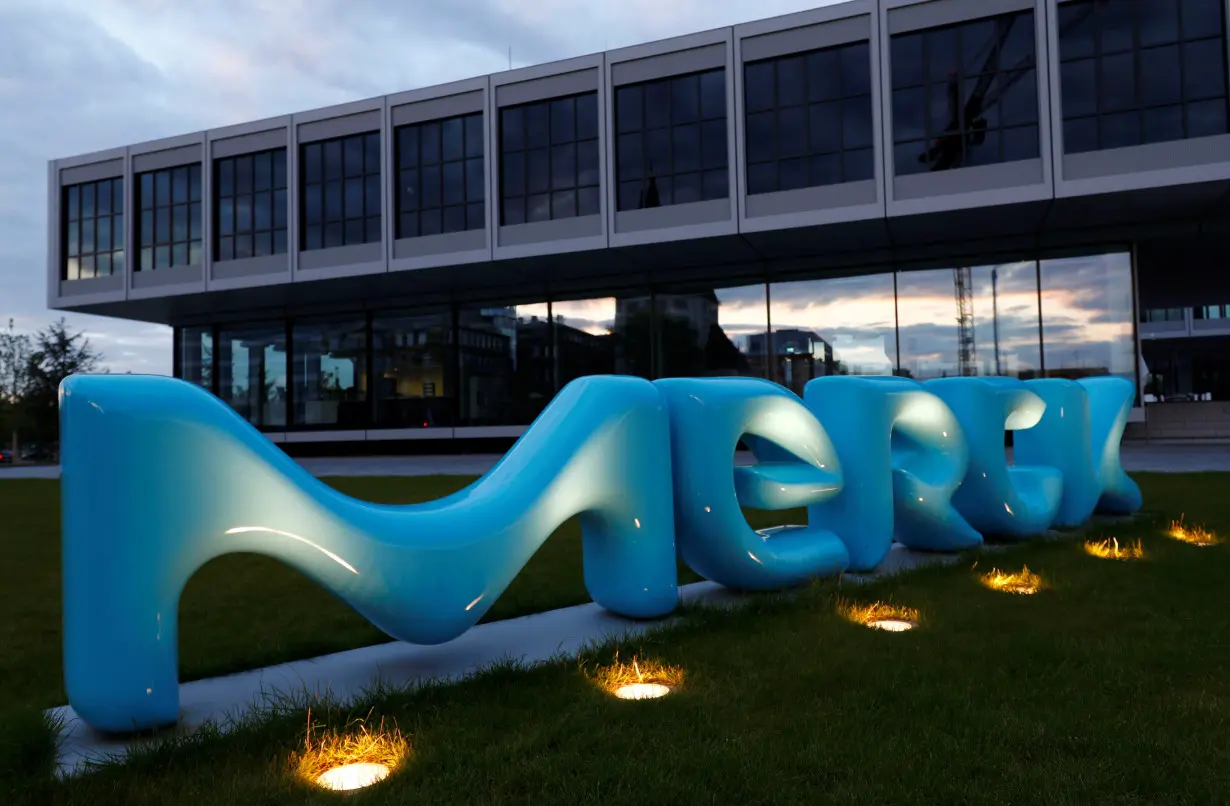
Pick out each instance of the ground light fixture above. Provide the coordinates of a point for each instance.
(1022, 583)
(1110, 549)
(882, 616)
(639, 680)
(350, 759)
(1192, 535)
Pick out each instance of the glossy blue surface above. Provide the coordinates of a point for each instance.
(903, 455)
(797, 465)
(159, 477)
(998, 500)
(1079, 433)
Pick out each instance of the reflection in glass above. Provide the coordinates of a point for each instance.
(839, 326)
(965, 94)
(503, 382)
(196, 356)
(1087, 326)
(1133, 73)
(330, 373)
(415, 370)
(252, 372)
(969, 321)
(701, 332)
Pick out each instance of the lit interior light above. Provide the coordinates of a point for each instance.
(639, 680)
(352, 776)
(1111, 550)
(350, 760)
(1192, 535)
(882, 616)
(1023, 582)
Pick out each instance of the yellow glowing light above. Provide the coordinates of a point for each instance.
(881, 616)
(642, 691)
(1111, 550)
(1023, 582)
(1193, 535)
(352, 776)
(638, 680)
(350, 759)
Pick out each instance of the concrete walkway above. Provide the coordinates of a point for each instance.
(1136, 457)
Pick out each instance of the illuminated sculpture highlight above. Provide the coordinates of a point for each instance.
(797, 465)
(903, 455)
(159, 477)
(1079, 434)
(998, 500)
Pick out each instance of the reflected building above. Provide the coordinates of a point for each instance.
(921, 188)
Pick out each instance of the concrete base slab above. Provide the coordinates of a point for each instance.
(345, 676)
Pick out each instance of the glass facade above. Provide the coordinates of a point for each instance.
(251, 208)
(340, 181)
(965, 94)
(499, 365)
(672, 145)
(251, 372)
(93, 234)
(1141, 71)
(330, 373)
(440, 178)
(809, 119)
(549, 160)
(169, 229)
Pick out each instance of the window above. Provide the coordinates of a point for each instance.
(848, 324)
(330, 373)
(341, 192)
(1001, 337)
(1141, 71)
(440, 177)
(251, 363)
(1151, 315)
(93, 236)
(251, 205)
(415, 371)
(965, 95)
(1087, 316)
(809, 119)
(672, 141)
(169, 229)
(196, 356)
(501, 381)
(549, 160)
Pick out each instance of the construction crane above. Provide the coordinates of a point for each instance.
(966, 350)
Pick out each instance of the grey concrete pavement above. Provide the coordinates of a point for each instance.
(1160, 458)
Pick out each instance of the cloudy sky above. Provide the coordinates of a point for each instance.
(84, 75)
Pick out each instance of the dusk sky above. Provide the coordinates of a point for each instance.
(78, 76)
(83, 75)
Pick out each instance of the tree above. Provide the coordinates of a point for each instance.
(57, 354)
(14, 362)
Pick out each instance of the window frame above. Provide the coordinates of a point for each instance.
(592, 190)
(71, 253)
(473, 210)
(370, 224)
(1136, 51)
(897, 87)
(194, 242)
(642, 132)
(220, 233)
(809, 154)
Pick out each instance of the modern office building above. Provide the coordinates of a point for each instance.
(924, 188)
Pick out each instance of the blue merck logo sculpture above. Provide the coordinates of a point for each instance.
(159, 477)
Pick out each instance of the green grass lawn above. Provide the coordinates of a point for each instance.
(1108, 687)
